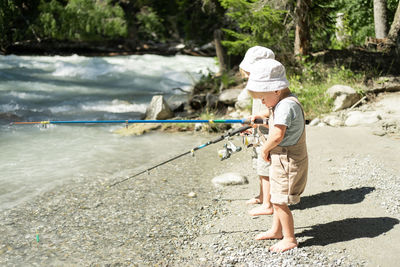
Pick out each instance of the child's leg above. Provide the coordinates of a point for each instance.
(286, 220)
(258, 199)
(275, 232)
(265, 196)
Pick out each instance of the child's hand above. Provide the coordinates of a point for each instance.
(256, 117)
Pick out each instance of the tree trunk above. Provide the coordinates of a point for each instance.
(219, 51)
(130, 11)
(302, 34)
(380, 19)
(395, 28)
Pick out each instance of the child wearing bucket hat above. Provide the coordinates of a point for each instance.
(285, 147)
(247, 66)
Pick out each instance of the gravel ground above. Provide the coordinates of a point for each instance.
(361, 171)
(151, 220)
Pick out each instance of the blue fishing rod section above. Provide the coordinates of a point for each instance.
(229, 121)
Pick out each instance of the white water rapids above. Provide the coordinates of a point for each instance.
(35, 88)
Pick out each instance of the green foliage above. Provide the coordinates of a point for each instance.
(15, 18)
(322, 19)
(82, 20)
(312, 82)
(213, 84)
(151, 25)
(254, 24)
(51, 20)
(359, 16)
(7, 11)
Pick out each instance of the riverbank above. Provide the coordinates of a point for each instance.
(106, 48)
(349, 215)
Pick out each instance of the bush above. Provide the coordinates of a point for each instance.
(82, 20)
(255, 24)
(311, 84)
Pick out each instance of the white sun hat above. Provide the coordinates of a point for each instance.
(253, 55)
(268, 75)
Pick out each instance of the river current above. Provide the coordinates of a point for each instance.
(36, 88)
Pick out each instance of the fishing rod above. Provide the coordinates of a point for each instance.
(229, 150)
(229, 121)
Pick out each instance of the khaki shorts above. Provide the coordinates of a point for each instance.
(259, 164)
(288, 176)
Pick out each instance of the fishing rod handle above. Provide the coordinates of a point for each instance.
(256, 121)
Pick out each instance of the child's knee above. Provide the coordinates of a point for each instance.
(280, 206)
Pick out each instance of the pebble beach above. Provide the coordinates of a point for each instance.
(174, 216)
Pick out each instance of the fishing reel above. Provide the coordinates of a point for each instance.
(228, 150)
(251, 140)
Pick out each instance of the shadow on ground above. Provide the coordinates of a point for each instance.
(349, 196)
(347, 229)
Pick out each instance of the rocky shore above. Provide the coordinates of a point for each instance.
(174, 216)
(348, 216)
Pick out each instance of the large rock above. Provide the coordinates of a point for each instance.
(344, 96)
(230, 178)
(243, 100)
(356, 118)
(158, 109)
(229, 97)
(385, 84)
(333, 121)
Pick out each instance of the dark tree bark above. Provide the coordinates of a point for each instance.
(393, 35)
(302, 34)
(130, 10)
(219, 51)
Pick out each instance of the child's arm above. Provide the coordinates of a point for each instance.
(275, 137)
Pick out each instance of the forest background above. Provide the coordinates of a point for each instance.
(355, 33)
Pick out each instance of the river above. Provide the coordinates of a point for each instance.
(36, 88)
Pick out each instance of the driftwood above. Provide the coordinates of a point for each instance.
(371, 62)
(104, 48)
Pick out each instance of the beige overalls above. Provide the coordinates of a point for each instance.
(289, 167)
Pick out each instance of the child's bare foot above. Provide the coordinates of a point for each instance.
(268, 235)
(261, 210)
(254, 200)
(284, 245)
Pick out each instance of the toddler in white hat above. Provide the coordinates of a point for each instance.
(247, 66)
(285, 147)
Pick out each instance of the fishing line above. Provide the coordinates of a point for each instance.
(220, 138)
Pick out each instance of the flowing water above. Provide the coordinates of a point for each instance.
(33, 158)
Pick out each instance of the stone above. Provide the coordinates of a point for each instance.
(230, 178)
(355, 118)
(345, 96)
(198, 127)
(243, 100)
(385, 84)
(315, 122)
(333, 121)
(192, 195)
(211, 101)
(158, 109)
(229, 97)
